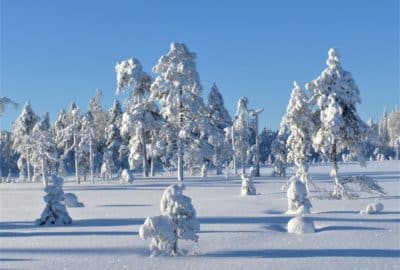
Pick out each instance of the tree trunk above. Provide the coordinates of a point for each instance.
(27, 166)
(243, 166)
(234, 154)
(334, 171)
(44, 173)
(144, 154)
(91, 161)
(78, 180)
(257, 174)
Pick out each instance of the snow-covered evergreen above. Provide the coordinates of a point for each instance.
(55, 211)
(177, 221)
(177, 89)
(298, 202)
(248, 187)
(298, 120)
(241, 132)
(22, 139)
(300, 225)
(107, 166)
(335, 95)
(279, 152)
(372, 208)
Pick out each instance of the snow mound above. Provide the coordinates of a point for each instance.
(248, 187)
(71, 200)
(300, 225)
(372, 208)
(126, 177)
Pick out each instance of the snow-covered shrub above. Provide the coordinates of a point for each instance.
(372, 208)
(177, 221)
(71, 200)
(298, 203)
(300, 225)
(55, 211)
(203, 170)
(107, 166)
(380, 157)
(248, 187)
(126, 177)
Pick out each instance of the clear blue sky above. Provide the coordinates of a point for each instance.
(54, 52)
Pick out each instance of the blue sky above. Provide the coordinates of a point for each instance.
(54, 52)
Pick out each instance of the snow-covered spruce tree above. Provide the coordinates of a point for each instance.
(8, 157)
(44, 153)
(115, 114)
(177, 221)
(267, 136)
(113, 142)
(142, 119)
(87, 148)
(22, 141)
(220, 119)
(55, 211)
(394, 131)
(177, 88)
(61, 139)
(248, 187)
(99, 118)
(384, 134)
(279, 152)
(298, 121)
(335, 95)
(298, 203)
(241, 132)
(74, 129)
(107, 166)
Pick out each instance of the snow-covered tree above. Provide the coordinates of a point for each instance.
(44, 153)
(248, 187)
(55, 211)
(394, 131)
(8, 157)
(142, 117)
(335, 95)
(107, 166)
(22, 141)
(384, 132)
(115, 114)
(241, 132)
(220, 120)
(87, 148)
(279, 152)
(177, 88)
(298, 203)
(113, 142)
(267, 136)
(177, 221)
(298, 120)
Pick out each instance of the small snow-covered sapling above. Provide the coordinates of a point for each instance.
(298, 203)
(372, 208)
(248, 187)
(55, 211)
(177, 221)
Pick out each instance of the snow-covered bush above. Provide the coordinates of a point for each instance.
(107, 166)
(177, 221)
(280, 153)
(71, 200)
(300, 225)
(126, 177)
(372, 208)
(248, 187)
(298, 203)
(55, 211)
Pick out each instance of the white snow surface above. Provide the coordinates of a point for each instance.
(236, 232)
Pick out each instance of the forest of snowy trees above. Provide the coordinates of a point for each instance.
(165, 124)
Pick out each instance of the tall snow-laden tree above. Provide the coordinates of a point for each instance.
(61, 141)
(241, 132)
(384, 130)
(22, 141)
(141, 120)
(177, 88)
(298, 121)
(394, 130)
(43, 150)
(86, 147)
(335, 95)
(220, 119)
(115, 114)
(279, 152)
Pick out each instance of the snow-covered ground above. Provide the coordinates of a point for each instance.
(236, 232)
